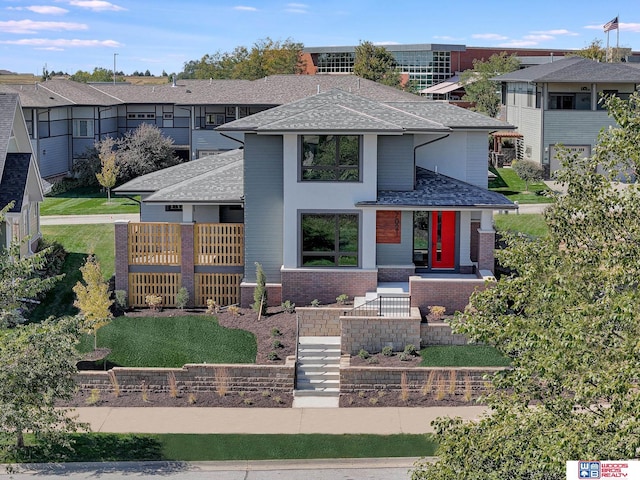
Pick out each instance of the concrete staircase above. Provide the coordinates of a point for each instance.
(318, 370)
(389, 299)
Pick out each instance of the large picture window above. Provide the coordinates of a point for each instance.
(330, 240)
(330, 158)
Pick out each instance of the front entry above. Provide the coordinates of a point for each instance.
(434, 244)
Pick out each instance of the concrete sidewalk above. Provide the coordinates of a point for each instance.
(87, 219)
(380, 421)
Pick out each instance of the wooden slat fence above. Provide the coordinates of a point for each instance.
(164, 284)
(224, 288)
(219, 244)
(154, 244)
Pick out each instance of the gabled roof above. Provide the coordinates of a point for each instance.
(574, 70)
(14, 180)
(8, 106)
(211, 179)
(337, 110)
(435, 190)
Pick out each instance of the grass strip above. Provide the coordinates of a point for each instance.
(462, 356)
(87, 201)
(508, 183)
(531, 224)
(172, 342)
(103, 447)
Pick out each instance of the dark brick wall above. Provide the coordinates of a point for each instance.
(301, 287)
(453, 294)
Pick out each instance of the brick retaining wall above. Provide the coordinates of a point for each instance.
(195, 378)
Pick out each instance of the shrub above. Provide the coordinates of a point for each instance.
(436, 312)
(342, 299)
(276, 344)
(387, 351)
(154, 301)
(288, 307)
(212, 306)
(373, 360)
(275, 332)
(54, 258)
(121, 299)
(260, 292)
(410, 349)
(404, 357)
(273, 356)
(315, 302)
(182, 298)
(363, 354)
(234, 310)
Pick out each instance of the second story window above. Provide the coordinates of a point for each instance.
(330, 158)
(82, 128)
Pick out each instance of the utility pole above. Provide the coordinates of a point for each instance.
(114, 68)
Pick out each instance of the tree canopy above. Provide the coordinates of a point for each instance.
(374, 62)
(568, 319)
(480, 89)
(265, 57)
(98, 75)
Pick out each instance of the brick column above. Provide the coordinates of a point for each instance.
(122, 255)
(486, 246)
(187, 260)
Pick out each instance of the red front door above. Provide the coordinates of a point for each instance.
(443, 239)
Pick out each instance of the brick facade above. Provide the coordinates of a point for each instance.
(374, 333)
(274, 294)
(122, 255)
(486, 248)
(475, 226)
(303, 286)
(452, 293)
(395, 274)
(195, 378)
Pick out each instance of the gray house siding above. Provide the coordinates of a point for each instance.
(208, 140)
(398, 253)
(477, 159)
(263, 187)
(529, 123)
(395, 163)
(157, 213)
(53, 156)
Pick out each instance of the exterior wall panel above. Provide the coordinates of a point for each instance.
(395, 163)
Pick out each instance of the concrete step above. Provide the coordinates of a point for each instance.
(316, 401)
(319, 367)
(320, 349)
(319, 341)
(318, 377)
(325, 392)
(307, 383)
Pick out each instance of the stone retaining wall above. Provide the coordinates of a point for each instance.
(195, 378)
(439, 333)
(320, 321)
(375, 333)
(426, 380)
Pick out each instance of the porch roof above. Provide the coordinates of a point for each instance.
(434, 190)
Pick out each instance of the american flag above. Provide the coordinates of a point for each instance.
(612, 25)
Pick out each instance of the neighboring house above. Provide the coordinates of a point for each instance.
(65, 118)
(559, 103)
(19, 178)
(343, 193)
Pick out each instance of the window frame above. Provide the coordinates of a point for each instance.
(77, 130)
(336, 168)
(336, 253)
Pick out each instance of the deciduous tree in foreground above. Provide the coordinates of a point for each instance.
(568, 319)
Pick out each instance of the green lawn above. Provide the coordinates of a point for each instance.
(509, 184)
(531, 224)
(78, 241)
(462, 356)
(87, 201)
(172, 342)
(103, 447)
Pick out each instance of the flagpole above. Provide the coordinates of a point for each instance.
(608, 53)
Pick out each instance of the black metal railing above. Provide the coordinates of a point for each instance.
(385, 305)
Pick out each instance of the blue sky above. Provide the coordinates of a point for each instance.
(71, 35)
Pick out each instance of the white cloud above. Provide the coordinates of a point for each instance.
(29, 26)
(448, 38)
(52, 49)
(96, 5)
(489, 36)
(62, 43)
(297, 8)
(539, 38)
(244, 8)
(555, 32)
(42, 9)
(518, 44)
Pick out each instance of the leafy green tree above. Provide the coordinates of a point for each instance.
(593, 51)
(376, 63)
(19, 280)
(568, 319)
(98, 75)
(480, 89)
(108, 175)
(92, 298)
(529, 171)
(38, 365)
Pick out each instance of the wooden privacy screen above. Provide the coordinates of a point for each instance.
(219, 244)
(154, 244)
(388, 226)
(223, 288)
(164, 284)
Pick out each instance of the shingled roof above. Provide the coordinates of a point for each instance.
(435, 190)
(575, 70)
(211, 179)
(14, 180)
(338, 110)
(8, 105)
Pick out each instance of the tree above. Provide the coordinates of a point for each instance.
(480, 89)
(260, 292)
(568, 319)
(528, 171)
(376, 63)
(38, 365)
(98, 75)
(92, 298)
(593, 51)
(109, 174)
(19, 280)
